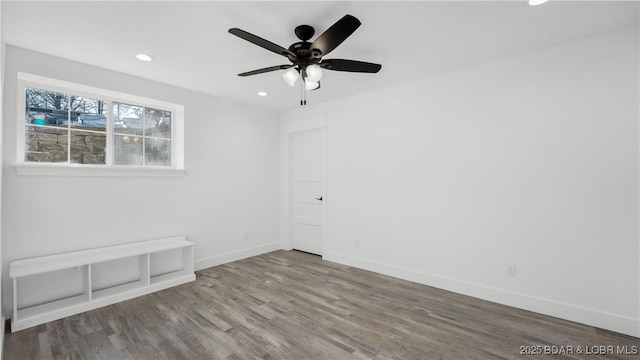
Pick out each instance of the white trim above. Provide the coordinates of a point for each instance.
(39, 169)
(323, 138)
(20, 140)
(3, 319)
(2, 78)
(305, 123)
(36, 81)
(614, 322)
(90, 91)
(235, 255)
(288, 127)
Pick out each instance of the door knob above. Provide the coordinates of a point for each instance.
(320, 198)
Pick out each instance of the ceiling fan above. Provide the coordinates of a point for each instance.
(306, 57)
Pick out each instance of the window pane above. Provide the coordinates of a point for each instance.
(45, 107)
(45, 144)
(157, 152)
(87, 147)
(157, 123)
(127, 150)
(88, 113)
(127, 119)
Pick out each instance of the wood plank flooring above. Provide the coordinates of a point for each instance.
(292, 305)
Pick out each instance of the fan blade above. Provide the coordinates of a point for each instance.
(262, 43)
(264, 70)
(350, 65)
(334, 36)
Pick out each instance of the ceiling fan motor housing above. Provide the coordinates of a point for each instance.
(304, 54)
(302, 49)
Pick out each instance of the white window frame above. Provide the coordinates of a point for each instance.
(108, 169)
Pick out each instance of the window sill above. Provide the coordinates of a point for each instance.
(86, 170)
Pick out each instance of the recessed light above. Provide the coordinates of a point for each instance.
(144, 57)
(262, 93)
(537, 2)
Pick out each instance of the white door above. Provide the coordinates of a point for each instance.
(306, 191)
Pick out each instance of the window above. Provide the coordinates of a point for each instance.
(142, 136)
(63, 124)
(64, 128)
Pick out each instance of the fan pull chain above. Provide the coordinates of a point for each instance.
(303, 93)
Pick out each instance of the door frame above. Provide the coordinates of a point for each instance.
(288, 128)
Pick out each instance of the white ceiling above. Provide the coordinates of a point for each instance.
(193, 49)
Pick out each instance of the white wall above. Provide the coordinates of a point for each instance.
(2, 61)
(230, 187)
(532, 160)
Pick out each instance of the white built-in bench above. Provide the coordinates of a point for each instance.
(91, 299)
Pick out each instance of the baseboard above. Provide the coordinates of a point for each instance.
(235, 255)
(609, 321)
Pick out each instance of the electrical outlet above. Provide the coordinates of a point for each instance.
(356, 242)
(511, 270)
(246, 236)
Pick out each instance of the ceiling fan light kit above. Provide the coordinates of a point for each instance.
(291, 76)
(306, 57)
(311, 85)
(314, 73)
(537, 2)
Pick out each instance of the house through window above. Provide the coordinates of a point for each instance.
(64, 128)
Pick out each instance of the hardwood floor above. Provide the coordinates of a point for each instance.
(292, 305)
